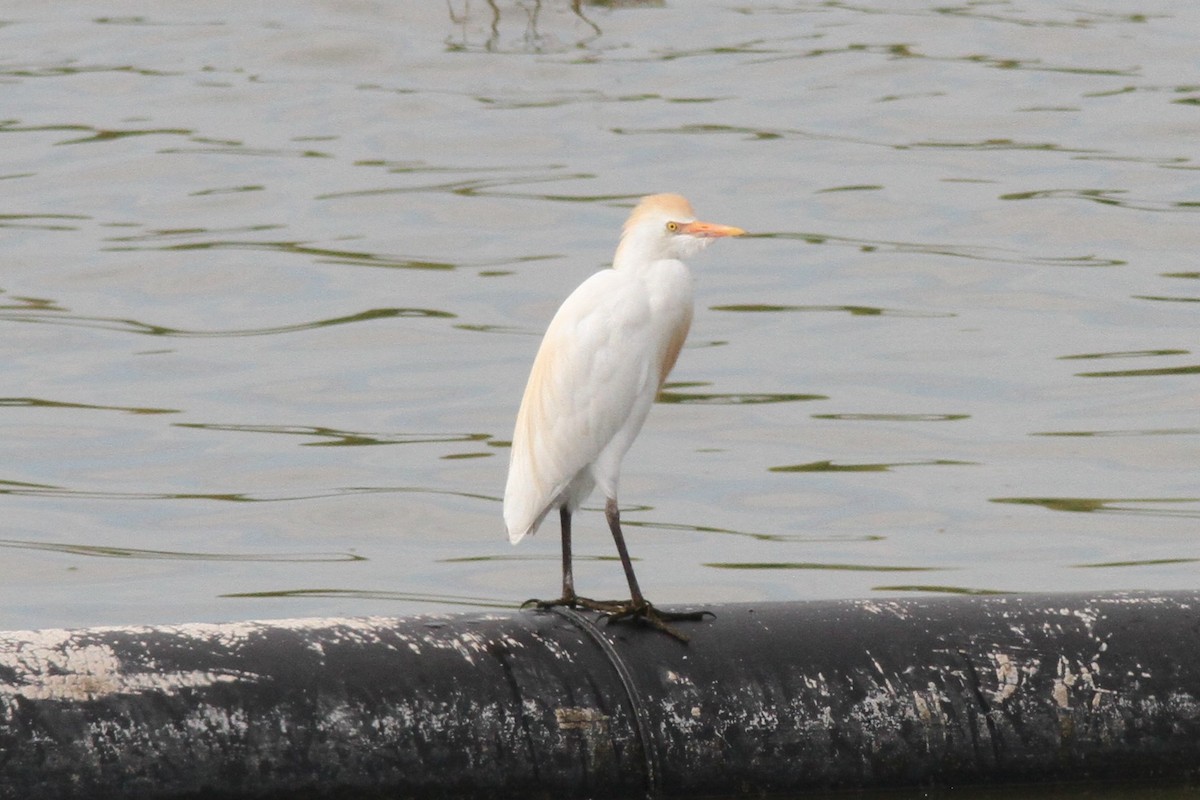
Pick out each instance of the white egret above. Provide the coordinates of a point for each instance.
(606, 354)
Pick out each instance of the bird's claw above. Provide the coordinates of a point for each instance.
(621, 610)
(570, 601)
(647, 613)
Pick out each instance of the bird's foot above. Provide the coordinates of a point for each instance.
(570, 601)
(621, 610)
(645, 612)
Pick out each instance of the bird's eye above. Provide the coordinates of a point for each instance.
(673, 227)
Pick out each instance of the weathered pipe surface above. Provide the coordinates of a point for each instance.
(773, 697)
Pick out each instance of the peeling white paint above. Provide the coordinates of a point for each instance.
(48, 666)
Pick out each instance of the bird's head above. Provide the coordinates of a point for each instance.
(663, 226)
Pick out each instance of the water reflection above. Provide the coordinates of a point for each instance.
(1111, 505)
(1166, 299)
(1108, 197)
(1118, 433)
(1147, 562)
(854, 311)
(829, 466)
(1126, 354)
(93, 134)
(760, 537)
(894, 417)
(670, 394)
(37, 402)
(1191, 369)
(57, 316)
(939, 589)
(318, 255)
(39, 222)
(973, 253)
(27, 489)
(101, 551)
(332, 437)
(529, 27)
(371, 594)
(804, 565)
(468, 187)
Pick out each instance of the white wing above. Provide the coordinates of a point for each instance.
(591, 386)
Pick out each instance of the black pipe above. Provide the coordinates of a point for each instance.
(766, 698)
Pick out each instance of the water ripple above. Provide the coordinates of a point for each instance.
(801, 565)
(41, 222)
(1126, 354)
(971, 252)
(37, 402)
(669, 395)
(939, 589)
(1121, 433)
(829, 466)
(1191, 369)
(1110, 505)
(320, 255)
(331, 437)
(100, 551)
(759, 537)
(375, 594)
(861, 417)
(772, 134)
(1147, 562)
(854, 311)
(56, 317)
(26, 489)
(1107, 197)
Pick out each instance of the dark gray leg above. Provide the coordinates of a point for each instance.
(613, 515)
(564, 518)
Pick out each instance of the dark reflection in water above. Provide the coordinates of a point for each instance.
(974, 253)
(1108, 197)
(39, 222)
(854, 311)
(1191, 369)
(1108, 505)
(1166, 299)
(1127, 354)
(1148, 562)
(761, 537)
(101, 551)
(57, 317)
(93, 134)
(523, 557)
(829, 466)
(820, 566)
(338, 438)
(319, 255)
(894, 417)
(37, 402)
(938, 589)
(76, 69)
(530, 27)
(25, 489)
(1144, 432)
(471, 187)
(368, 594)
(765, 134)
(670, 395)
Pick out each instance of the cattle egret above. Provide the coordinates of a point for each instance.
(607, 352)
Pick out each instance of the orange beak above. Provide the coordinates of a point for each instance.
(709, 230)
